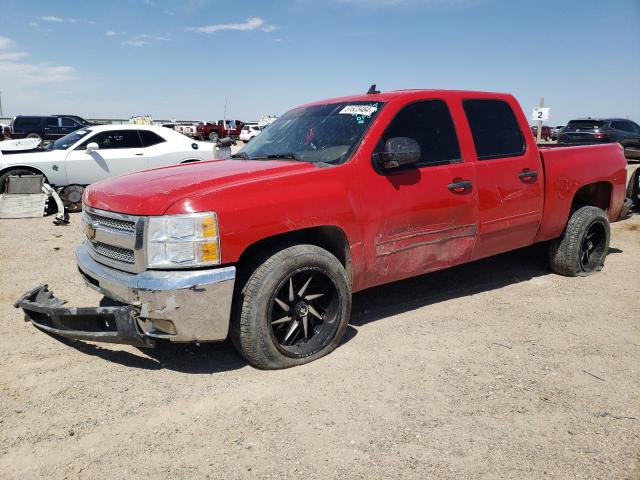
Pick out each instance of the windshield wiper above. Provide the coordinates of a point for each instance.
(240, 155)
(286, 156)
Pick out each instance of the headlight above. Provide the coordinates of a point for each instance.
(179, 241)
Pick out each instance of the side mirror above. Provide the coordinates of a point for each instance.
(398, 151)
(92, 147)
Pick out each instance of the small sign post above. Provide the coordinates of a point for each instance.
(540, 114)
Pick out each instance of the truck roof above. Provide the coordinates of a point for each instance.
(411, 93)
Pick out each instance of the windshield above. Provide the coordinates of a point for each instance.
(68, 140)
(322, 133)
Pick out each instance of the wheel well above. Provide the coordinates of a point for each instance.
(331, 238)
(20, 167)
(594, 194)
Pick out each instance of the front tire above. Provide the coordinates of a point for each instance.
(583, 247)
(293, 309)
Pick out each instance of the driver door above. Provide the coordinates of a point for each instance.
(421, 217)
(119, 152)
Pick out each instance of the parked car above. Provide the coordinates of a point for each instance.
(188, 129)
(332, 198)
(604, 130)
(249, 131)
(49, 127)
(95, 153)
(555, 131)
(546, 132)
(221, 129)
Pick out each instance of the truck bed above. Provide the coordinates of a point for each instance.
(567, 169)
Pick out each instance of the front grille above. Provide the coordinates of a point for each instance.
(112, 252)
(114, 223)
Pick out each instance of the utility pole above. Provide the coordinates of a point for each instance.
(539, 133)
(0, 104)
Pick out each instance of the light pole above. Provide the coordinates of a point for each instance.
(0, 104)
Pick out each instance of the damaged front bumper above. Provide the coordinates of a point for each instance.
(98, 324)
(179, 306)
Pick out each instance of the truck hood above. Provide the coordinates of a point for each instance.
(152, 192)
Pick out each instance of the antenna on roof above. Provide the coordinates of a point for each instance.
(372, 90)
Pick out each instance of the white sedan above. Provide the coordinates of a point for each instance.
(98, 152)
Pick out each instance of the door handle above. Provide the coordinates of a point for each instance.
(460, 186)
(528, 175)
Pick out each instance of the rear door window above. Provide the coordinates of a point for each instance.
(68, 122)
(429, 123)
(52, 121)
(150, 138)
(495, 129)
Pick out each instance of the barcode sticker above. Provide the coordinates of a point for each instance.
(364, 110)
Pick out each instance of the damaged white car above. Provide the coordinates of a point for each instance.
(98, 152)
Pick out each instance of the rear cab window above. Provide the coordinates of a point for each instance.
(28, 121)
(495, 129)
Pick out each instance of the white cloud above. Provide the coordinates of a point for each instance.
(75, 21)
(6, 42)
(6, 57)
(51, 18)
(13, 71)
(110, 33)
(142, 39)
(252, 23)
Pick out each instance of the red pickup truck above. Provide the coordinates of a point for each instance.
(334, 197)
(222, 129)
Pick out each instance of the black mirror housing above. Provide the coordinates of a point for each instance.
(398, 152)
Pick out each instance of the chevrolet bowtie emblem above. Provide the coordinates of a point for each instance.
(91, 232)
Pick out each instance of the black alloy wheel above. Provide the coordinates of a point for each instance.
(303, 313)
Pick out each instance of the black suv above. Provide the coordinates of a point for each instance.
(603, 130)
(50, 127)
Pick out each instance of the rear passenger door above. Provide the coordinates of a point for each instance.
(119, 152)
(509, 176)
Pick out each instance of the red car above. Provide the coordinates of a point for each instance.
(334, 197)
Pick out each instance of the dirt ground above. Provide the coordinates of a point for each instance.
(496, 369)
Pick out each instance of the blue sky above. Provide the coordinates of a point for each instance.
(183, 59)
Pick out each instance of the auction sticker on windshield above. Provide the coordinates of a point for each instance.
(365, 110)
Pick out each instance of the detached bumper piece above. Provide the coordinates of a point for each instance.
(97, 324)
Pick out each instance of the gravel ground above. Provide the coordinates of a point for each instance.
(496, 369)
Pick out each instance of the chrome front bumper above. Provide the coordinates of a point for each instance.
(179, 305)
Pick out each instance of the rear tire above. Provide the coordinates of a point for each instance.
(583, 247)
(633, 188)
(35, 135)
(293, 309)
(213, 136)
